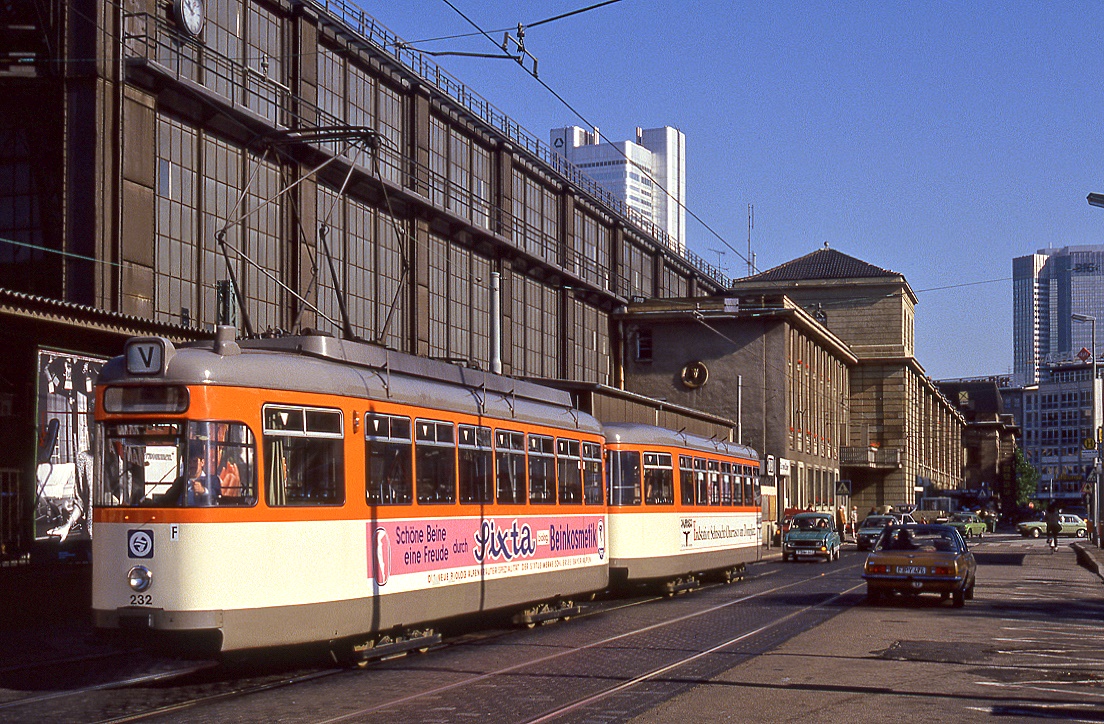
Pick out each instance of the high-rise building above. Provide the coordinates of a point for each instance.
(1048, 287)
(649, 175)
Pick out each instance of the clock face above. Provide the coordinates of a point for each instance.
(190, 13)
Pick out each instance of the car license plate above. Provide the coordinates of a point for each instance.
(911, 570)
(805, 552)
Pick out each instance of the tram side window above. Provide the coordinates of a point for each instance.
(701, 482)
(752, 494)
(569, 465)
(659, 479)
(686, 479)
(727, 483)
(592, 473)
(388, 450)
(542, 470)
(623, 468)
(476, 475)
(510, 466)
(435, 461)
(304, 456)
(714, 482)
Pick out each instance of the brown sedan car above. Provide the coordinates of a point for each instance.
(914, 559)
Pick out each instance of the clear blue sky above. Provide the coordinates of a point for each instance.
(935, 139)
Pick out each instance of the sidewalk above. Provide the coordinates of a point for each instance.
(1090, 556)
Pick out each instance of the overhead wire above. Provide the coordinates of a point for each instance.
(583, 118)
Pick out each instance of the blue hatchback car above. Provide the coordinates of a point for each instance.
(811, 535)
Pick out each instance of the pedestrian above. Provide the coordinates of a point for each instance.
(841, 521)
(855, 522)
(1053, 526)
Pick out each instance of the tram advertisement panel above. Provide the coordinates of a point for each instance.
(414, 553)
(63, 465)
(717, 531)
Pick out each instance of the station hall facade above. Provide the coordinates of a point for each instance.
(162, 173)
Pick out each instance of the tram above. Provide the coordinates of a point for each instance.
(309, 490)
(681, 507)
(269, 492)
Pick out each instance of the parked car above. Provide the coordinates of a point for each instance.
(968, 524)
(915, 559)
(1071, 525)
(811, 535)
(871, 529)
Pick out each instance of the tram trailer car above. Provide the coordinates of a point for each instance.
(307, 489)
(680, 506)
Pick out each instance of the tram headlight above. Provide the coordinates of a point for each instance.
(139, 578)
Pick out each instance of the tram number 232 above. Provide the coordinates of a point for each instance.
(141, 599)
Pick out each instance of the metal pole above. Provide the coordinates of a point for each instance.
(1095, 509)
(496, 323)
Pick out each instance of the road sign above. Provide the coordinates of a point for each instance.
(1084, 355)
(843, 488)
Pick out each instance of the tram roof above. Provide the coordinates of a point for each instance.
(327, 365)
(642, 434)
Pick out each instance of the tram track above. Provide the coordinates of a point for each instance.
(604, 642)
(229, 690)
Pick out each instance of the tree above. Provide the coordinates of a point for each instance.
(1027, 479)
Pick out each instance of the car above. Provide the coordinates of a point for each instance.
(1080, 511)
(811, 535)
(902, 518)
(968, 524)
(1071, 525)
(916, 558)
(871, 529)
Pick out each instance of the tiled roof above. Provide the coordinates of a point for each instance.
(823, 263)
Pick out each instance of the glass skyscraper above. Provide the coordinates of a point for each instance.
(649, 175)
(1047, 288)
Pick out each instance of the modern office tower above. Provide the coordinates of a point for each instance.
(1048, 287)
(649, 175)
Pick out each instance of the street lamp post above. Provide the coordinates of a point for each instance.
(1096, 436)
(1098, 201)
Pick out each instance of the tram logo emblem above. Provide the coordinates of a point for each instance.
(139, 544)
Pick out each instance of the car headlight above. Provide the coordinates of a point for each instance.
(139, 578)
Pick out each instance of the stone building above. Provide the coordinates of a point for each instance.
(904, 437)
(990, 441)
(163, 171)
(759, 360)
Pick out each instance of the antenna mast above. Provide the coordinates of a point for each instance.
(751, 225)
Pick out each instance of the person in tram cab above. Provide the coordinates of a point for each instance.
(196, 486)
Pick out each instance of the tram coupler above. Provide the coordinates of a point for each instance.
(547, 612)
(388, 646)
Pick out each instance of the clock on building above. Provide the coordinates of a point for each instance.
(191, 15)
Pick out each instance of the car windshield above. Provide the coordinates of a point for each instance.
(962, 517)
(811, 523)
(919, 539)
(877, 521)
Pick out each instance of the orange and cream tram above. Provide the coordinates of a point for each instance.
(307, 489)
(680, 506)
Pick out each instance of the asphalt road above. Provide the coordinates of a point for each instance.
(794, 640)
(1029, 646)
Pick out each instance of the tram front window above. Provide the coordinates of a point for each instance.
(175, 464)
